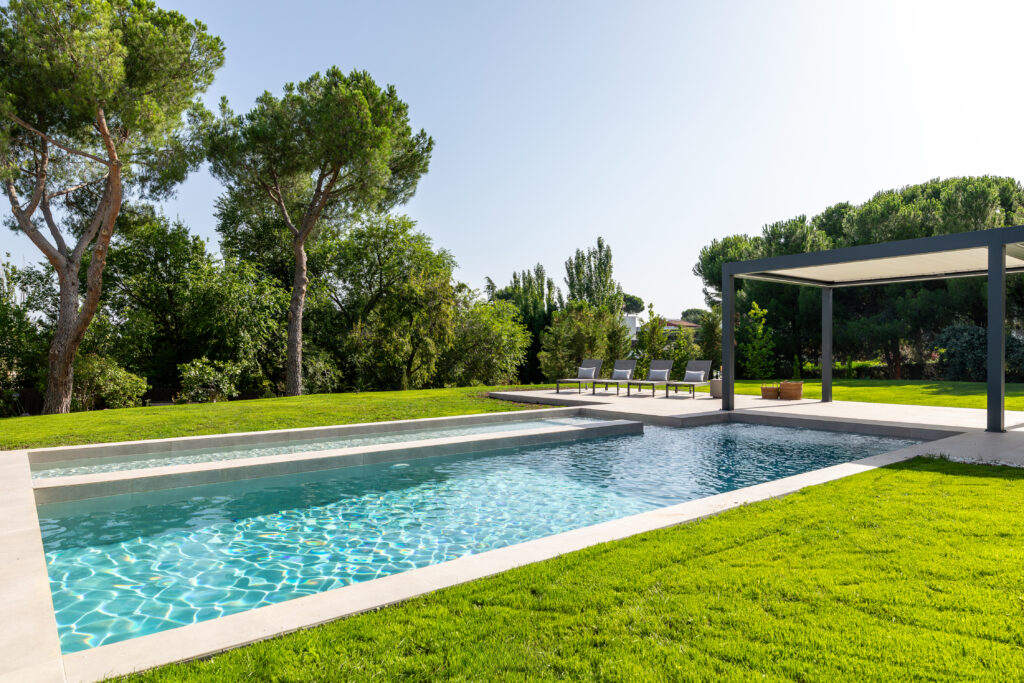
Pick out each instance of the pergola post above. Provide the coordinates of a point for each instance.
(728, 339)
(996, 336)
(826, 344)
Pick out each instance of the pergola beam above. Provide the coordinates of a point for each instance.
(870, 252)
(808, 282)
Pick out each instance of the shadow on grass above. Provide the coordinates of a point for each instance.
(939, 465)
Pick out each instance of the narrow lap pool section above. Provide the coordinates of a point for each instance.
(120, 571)
(221, 454)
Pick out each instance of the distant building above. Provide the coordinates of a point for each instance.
(630, 321)
(672, 326)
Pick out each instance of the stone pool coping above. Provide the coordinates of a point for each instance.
(140, 483)
(217, 635)
(29, 645)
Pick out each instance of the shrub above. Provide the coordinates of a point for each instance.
(756, 346)
(683, 351)
(320, 375)
(98, 378)
(488, 345)
(651, 342)
(205, 381)
(577, 332)
(962, 353)
(710, 333)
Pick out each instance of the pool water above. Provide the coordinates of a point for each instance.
(189, 457)
(205, 552)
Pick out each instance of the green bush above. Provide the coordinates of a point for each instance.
(756, 346)
(962, 353)
(683, 351)
(320, 375)
(652, 343)
(98, 378)
(579, 331)
(488, 345)
(206, 381)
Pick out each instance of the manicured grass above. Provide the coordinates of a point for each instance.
(906, 392)
(244, 416)
(911, 572)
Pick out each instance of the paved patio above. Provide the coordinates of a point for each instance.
(957, 433)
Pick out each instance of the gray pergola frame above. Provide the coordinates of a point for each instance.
(996, 240)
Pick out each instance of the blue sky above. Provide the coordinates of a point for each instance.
(658, 125)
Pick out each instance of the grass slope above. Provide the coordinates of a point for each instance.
(911, 572)
(244, 416)
(905, 392)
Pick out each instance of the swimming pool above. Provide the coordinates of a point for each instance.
(221, 549)
(133, 461)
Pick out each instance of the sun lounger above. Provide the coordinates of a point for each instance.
(588, 371)
(698, 374)
(658, 374)
(621, 374)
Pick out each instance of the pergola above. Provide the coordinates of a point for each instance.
(984, 253)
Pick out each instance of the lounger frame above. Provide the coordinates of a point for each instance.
(703, 366)
(581, 384)
(640, 383)
(629, 365)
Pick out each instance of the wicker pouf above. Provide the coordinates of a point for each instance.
(791, 391)
(770, 390)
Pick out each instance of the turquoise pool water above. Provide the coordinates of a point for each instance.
(188, 457)
(118, 571)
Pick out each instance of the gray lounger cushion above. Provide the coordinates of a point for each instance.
(620, 374)
(693, 376)
(585, 373)
(657, 375)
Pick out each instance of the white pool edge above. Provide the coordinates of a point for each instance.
(201, 441)
(217, 635)
(142, 482)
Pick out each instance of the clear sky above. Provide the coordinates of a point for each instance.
(658, 125)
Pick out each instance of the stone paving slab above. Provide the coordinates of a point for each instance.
(29, 647)
(955, 419)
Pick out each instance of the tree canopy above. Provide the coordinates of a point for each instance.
(589, 278)
(93, 96)
(331, 145)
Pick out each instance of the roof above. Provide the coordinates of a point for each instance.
(681, 323)
(962, 254)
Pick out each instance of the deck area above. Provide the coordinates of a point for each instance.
(954, 432)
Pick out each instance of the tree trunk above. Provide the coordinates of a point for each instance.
(293, 379)
(60, 380)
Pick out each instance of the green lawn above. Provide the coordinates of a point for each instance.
(244, 416)
(907, 392)
(911, 572)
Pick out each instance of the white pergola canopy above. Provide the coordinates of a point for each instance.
(989, 253)
(931, 266)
